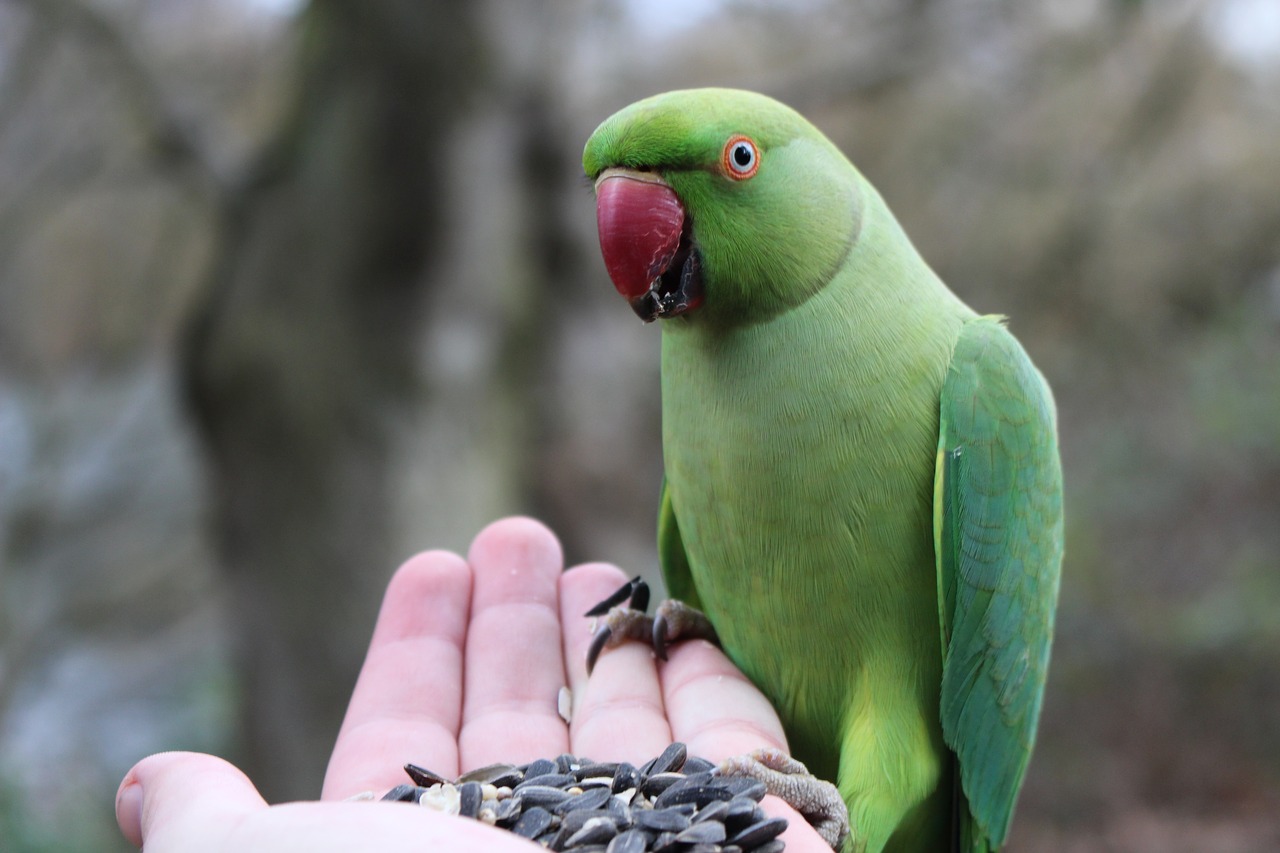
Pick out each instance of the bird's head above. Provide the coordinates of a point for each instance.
(719, 203)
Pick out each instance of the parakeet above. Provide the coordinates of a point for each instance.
(863, 491)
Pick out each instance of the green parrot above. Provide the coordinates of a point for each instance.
(863, 491)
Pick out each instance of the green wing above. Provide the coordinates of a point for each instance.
(671, 554)
(998, 535)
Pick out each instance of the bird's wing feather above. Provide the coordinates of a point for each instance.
(998, 535)
(671, 554)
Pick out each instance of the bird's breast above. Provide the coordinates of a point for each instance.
(801, 473)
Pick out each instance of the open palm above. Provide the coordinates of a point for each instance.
(464, 668)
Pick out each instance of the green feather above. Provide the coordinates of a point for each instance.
(671, 554)
(999, 551)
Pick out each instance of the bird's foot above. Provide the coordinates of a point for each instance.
(817, 800)
(673, 620)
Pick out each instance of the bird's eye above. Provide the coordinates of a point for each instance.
(741, 159)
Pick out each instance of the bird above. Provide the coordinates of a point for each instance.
(862, 494)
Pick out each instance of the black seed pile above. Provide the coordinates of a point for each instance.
(674, 803)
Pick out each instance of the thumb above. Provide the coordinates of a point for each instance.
(178, 796)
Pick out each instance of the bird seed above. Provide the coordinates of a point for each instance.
(673, 802)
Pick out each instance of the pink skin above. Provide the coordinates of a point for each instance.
(434, 692)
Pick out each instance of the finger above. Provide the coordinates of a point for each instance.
(719, 713)
(155, 804)
(799, 836)
(617, 711)
(514, 664)
(407, 701)
(713, 707)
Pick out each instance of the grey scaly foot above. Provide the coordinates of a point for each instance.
(673, 621)
(817, 800)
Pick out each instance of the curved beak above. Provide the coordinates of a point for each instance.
(645, 243)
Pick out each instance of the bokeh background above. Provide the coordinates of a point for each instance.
(290, 290)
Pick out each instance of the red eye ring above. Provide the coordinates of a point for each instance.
(740, 158)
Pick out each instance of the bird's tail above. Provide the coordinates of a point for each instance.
(966, 835)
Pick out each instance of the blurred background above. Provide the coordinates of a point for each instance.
(291, 290)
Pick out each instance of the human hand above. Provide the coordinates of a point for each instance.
(463, 670)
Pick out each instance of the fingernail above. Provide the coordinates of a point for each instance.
(129, 811)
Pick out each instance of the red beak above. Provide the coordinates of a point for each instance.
(641, 223)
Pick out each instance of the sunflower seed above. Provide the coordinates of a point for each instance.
(597, 830)
(700, 788)
(541, 767)
(709, 832)
(469, 797)
(625, 777)
(656, 783)
(714, 811)
(618, 809)
(739, 813)
(742, 786)
(664, 841)
(401, 794)
(661, 821)
(508, 810)
(550, 780)
(534, 822)
(573, 821)
(595, 768)
(672, 758)
(424, 777)
(542, 795)
(695, 764)
(631, 841)
(698, 795)
(587, 800)
(760, 833)
(596, 782)
(497, 775)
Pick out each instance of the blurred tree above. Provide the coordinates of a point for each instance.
(302, 348)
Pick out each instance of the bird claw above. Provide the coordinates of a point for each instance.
(599, 640)
(620, 623)
(817, 800)
(673, 621)
(659, 635)
(635, 590)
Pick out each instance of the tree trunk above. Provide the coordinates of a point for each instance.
(305, 343)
